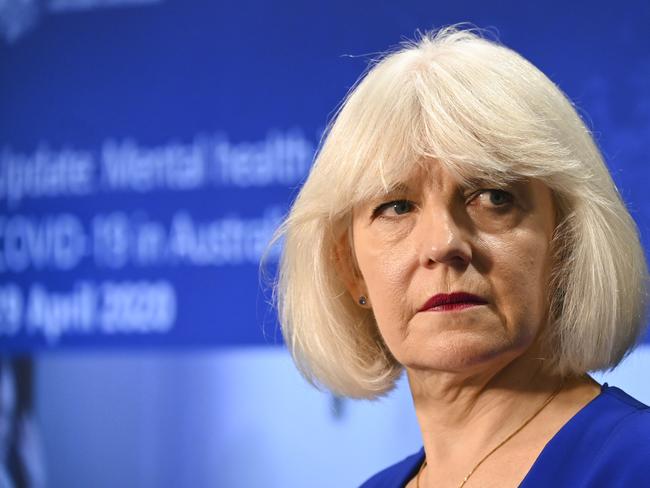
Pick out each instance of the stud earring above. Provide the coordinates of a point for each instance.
(362, 300)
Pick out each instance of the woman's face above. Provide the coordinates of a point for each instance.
(434, 237)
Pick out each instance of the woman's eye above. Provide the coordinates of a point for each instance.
(395, 207)
(495, 198)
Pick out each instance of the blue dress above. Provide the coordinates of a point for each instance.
(604, 445)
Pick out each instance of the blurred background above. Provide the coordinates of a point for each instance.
(148, 150)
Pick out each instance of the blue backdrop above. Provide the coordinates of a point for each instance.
(148, 149)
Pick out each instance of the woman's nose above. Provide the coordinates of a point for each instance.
(443, 241)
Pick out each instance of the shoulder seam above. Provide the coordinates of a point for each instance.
(634, 403)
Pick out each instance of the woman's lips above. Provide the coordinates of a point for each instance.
(443, 302)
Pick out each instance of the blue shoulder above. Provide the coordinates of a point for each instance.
(624, 459)
(631, 436)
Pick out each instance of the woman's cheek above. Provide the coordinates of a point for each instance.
(520, 275)
(385, 282)
(386, 257)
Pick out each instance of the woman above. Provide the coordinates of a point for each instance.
(459, 224)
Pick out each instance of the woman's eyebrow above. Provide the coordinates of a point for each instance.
(479, 182)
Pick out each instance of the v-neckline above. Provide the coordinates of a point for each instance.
(532, 473)
(539, 461)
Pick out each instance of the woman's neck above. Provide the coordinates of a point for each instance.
(463, 416)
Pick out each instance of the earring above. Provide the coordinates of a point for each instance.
(362, 300)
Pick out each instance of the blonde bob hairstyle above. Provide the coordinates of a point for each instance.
(483, 111)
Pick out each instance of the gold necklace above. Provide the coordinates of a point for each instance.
(548, 400)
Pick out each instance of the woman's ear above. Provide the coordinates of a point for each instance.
(348, 271)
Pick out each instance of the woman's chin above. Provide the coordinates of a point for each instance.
(461, 353)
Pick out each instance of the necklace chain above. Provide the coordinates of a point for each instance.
(529, 420)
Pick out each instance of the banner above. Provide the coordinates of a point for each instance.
(149, 149)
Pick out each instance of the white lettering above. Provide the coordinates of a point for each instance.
(127, 166)
(228, 241)
(54, 242)
(45, 173)
(137, 307)
(111, 239)
(11, 309)
(126, 307)
(280, 159)
(55, 313)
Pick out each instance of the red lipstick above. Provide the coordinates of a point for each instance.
(452, 302)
